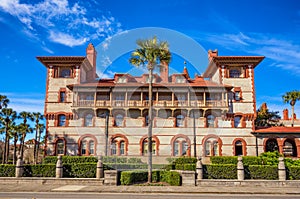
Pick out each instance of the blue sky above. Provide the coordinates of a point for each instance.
(33, 28)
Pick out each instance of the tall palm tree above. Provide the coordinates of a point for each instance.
(291, 97)
(37, 117)
(3, 101)
(151, 53)
(25, 128)
(41, 128)
(7, 118)
(15, 135)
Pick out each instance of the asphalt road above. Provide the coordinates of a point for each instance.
(58, 195)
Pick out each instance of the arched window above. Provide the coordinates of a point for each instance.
(179, 120)
(238, 148)
(210, 121)
(119, 119)
(271, 145)
(181, 146)
(60, 147)
(119, 145)
(289, 148)
(145, 147)
(88, 120)
(61, 120)
(237, 121)
(87, 146)
(211, 147)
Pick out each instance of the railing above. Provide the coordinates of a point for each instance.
(144, 103)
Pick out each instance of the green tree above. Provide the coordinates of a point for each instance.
(41, 128)
(15, 135)
(3, 101)
(25, 128)
(291, 97)
(150, 53)
(37, 117)
(266, 118)
(7, 118)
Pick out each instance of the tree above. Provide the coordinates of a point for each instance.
(25, 128)
(266, 118)
(41, 128)
(151, 53)
(291, 97)
(3, 101)
(15, 134)
(37, 117)
(7, 118)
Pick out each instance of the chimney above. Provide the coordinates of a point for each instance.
(164, 72)
(212, 53)
(91, 55)
(285, 114)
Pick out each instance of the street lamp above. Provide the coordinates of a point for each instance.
(106, 132)
(194, 132)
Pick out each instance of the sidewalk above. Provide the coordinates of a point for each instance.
(28, 187)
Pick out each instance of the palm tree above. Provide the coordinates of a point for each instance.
(3, 101)
(151, 53)
(41, 128)
(15, 134)
(37, 117)
(25, 128)
(291, 97)
(7, 117)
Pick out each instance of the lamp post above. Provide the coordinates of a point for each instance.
(194, 131)
(106, 132)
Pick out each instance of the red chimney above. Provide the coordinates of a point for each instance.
(212, 53)
(285, 114)
(164, 72)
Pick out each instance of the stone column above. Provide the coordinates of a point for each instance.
(240, 169)
(199, 169)
(59, 167)
(100, 169)
(19, 167)
(281, 169)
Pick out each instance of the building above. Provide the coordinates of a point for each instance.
(213, 113)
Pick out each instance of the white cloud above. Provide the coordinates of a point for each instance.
(66, 39)
(106, 74)
(53, 15)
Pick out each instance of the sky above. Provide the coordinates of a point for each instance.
(31, 28)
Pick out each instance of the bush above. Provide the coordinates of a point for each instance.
(185, 160)
(252, 160)
(7, 170)
(221, 171)
(179, 166)
(266, 172)
(39, 170)
(223, 159)
(114, 159)
(189, 167)
(82, 170)
(131, 177)
(70, 159)
(293, 172)
(171, 177)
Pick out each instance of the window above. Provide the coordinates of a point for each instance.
(211, 147)
(65, 72)
(62, 96)
(289, 148)
(179, 120)
(210, 121)
(61, 120)
(145, 147)
(119, 120)
(180, 79)
(238, 146)
(88, 120)
(271, 145)
(237, 95)
(122, 79)
(122, 148)
(181, 146)
(234, 73)
(119, 145)
(83, 148)
(60, 147)
(114, 148)
(92, 147)
(237, 121)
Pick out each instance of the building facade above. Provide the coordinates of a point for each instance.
(208, 115)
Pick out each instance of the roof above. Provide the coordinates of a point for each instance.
(231, 60)
(61, 60)
(278, 129)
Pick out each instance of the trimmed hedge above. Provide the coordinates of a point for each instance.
(223, 160)
(39, 170)
(70, 159)
(7, 170)
(293, 172)
(218, 171)
(131, 177)
(266, 172)
(82, 170)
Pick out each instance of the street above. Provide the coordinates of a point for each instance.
(57, 195)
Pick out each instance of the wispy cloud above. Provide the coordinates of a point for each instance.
(106, 74)
(61, 20)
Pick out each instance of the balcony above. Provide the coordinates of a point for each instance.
(145, 103)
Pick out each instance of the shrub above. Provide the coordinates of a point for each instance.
(70, 159)
(179, 166)
(266, 172)
(293, 172)
(221, 171)
(185, 160)
(171, 160)
(82, 170)
(252, 160)
(7, 170)
(114, 159)
(189, 167)
(171, 177)
(223, 159)
(134, 160)
(131, 177)
(39, 170)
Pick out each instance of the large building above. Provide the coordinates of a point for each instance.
(213, 113)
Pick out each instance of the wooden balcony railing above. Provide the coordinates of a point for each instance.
(144, 103)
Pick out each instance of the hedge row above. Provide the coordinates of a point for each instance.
(131, 166)
(39, 170)
(266, 172)
(132, 177)
(293, 172)
(90, 159)
(218, 171)
(7, 170)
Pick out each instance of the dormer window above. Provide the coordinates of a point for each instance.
(180, 79)
(153, 79)
(234, 73)
(122, 79)
(65, 72)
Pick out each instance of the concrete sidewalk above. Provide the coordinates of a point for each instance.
(29, 187)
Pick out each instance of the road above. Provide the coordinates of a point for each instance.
(58, 195)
